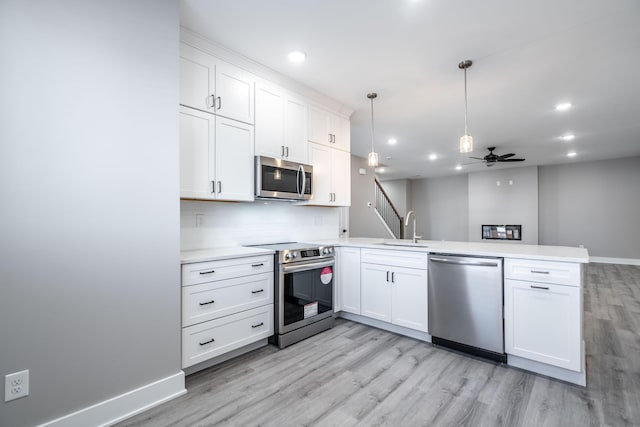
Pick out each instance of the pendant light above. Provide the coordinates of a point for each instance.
(466, 141)
(373, 156)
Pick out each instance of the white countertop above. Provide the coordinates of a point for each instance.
(497, 249)
(201, 255)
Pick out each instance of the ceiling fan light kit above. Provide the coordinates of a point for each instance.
(373, 156)
(466, 141)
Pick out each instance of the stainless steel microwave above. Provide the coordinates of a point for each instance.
(280, 179)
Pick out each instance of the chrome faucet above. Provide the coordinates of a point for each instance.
(406, 223)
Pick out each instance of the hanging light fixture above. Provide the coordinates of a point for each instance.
(466, 141)
(373, 156)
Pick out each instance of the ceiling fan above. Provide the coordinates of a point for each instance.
(491, 158)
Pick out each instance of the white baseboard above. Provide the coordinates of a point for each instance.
(401, 330)
(607, 260)
(126, 405)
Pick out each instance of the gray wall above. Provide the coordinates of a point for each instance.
(595, 204)
(442, 207)
(504, 196)
(363, 221)
(399, 192)
(89, 265)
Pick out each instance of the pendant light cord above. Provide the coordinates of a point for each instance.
(372, 124)
(465, 101)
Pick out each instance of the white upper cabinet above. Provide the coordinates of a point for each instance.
(331, 176)
(215, 86)
(216, 157)
(328, 128)
(281, 124)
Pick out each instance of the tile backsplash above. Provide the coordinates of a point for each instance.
(221, 224)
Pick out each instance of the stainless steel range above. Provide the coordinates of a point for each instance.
(304, 286)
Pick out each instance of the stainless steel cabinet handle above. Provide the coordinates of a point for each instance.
(546, 288)
(208, 302)
(329, 138)
(219, 103)
(287, 150)
(282, 155)
(539, 272)
(213, 186)
(207, 272)
(258, 325)
(219, 186)
(213, 101)
(257, 265)
(207, 342)
(258, 291)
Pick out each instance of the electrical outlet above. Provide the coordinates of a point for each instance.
(16, 385)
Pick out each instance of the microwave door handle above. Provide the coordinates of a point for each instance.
(304, 181)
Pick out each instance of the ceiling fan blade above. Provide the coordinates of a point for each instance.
(477, 158)
(506, 156)
(511, 160)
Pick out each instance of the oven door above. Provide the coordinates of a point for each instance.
(305, 294)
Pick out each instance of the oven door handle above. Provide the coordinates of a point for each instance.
(305, 267)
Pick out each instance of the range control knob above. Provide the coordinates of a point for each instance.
(287, 255)
(294, 255)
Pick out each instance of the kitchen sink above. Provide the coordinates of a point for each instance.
(405, 243)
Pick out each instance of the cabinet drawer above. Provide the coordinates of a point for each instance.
(562, 273)
(210, 339)
(202, 272)
(398, 258)
(211, 300)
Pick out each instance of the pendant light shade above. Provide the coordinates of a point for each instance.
(466, 141)
(373, 156)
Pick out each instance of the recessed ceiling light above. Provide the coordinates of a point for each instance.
(392, 141)
(433, 156)
(297, 56)
(458, 167)
(571, 154)
(388, 157)
(380, 170)
(563, 106)
(568, 137)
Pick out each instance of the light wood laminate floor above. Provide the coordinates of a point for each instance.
(358, 375)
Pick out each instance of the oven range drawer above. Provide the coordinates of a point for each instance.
(208, 301)
(210, 339)
(209, 271)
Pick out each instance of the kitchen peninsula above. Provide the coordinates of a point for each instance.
(383, 283)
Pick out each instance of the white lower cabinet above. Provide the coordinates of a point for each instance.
(543, 320)
(226, 304)
(393, 293)
(210, 339)
(348, 267)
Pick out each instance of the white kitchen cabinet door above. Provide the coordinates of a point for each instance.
(270, 109)
(197, 79)
(234, 93)
(409, 298)
(320, 159)
(375, 287)
(295, 129)
(341, 129)
(212, 85)
(197, 154)
(234, 163)
(341, 177)
(348, 260)
(319, 129)
(542, 323)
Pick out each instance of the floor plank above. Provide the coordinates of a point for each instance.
(355, 375)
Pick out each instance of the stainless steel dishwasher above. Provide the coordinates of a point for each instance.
(465, 304)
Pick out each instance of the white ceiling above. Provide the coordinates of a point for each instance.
(527, 56)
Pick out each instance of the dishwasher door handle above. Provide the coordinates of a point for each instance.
(464, 262)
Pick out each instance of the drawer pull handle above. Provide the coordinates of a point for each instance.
(258, 291)
(258, 325)
(546, 288)
(257, 265)
(539, 272)
(208, 302)
(207, 342)
(207, 272)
